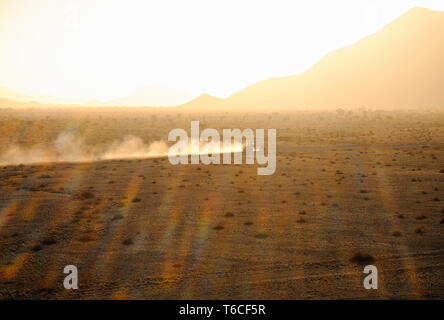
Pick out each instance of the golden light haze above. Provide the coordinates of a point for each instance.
(79, 50)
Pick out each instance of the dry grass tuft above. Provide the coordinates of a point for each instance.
(362, 258)
(127, 242)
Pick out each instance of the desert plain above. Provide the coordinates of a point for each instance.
(351, 188)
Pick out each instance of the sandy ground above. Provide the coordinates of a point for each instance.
(145, 229)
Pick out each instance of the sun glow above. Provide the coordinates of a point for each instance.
(105, 49)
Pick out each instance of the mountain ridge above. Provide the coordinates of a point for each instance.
(400, 66)
(339, 79)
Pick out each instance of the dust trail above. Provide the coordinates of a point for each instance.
(134, 147)
(68, 147)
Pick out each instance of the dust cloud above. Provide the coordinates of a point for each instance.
(68, 147)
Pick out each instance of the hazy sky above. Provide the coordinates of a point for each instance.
(104, 49)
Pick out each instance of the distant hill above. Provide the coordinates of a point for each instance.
(9, 94)
(202, 102)
(400, 66)
(155, 95)
(6, 103)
